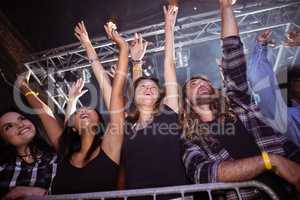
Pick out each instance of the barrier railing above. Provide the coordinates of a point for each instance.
(182, 191)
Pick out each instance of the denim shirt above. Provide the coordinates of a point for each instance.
(264, 85)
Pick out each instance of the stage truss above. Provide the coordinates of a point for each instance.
(49, 67)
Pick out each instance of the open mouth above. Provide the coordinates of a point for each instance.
(147, 93)
(203, 90)
(25, 131)
(83, 116)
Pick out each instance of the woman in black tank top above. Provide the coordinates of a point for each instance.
(151, 145)
(90, 159)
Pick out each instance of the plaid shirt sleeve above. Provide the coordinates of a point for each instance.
(234, 65)
(199, 168)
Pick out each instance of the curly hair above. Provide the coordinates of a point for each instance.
(189, 119)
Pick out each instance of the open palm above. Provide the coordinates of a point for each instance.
(81, 33)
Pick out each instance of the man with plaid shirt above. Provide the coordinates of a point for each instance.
(248, 149)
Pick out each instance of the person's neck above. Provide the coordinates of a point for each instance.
(204, 112)
(145, 113)
(87, 138)
(23, 150)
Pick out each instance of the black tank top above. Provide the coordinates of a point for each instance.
(151, 156)
(100, 174)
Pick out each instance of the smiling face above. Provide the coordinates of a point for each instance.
(146, 93)
(86, 117)
(198, 90)
(16, 130)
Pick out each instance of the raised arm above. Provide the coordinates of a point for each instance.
(234, 61)
(98, 69)
(113, 138)
(75, 92)
(137, 51)
(51, 125)
(171, 99)
(229, 23)
(264, 83)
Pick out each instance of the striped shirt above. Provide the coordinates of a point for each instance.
(202, 159)
(19, 173)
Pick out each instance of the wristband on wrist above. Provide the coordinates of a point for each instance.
(267, 161)
(32, 93)
(137, 68)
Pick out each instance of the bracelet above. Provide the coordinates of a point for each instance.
(267, 161)
(32, 93)
(137, 68)
(91, 61)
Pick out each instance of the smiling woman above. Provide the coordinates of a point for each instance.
(86, 151)
(27, 162)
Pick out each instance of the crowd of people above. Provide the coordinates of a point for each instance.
(193, 135)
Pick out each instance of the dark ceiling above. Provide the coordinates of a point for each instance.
(49, 24)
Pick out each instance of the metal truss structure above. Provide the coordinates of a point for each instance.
(49, 67)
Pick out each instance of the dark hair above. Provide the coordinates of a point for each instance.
(133, 112)
(37, 146)
(70, 141)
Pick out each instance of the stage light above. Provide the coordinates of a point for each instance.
(86, 75)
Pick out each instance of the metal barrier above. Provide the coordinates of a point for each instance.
(154, 192)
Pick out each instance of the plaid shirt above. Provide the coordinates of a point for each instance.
(201, 159)
(18, 173)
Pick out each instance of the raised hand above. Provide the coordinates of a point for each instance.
(111, 31)
(170, 14)
(112, 71)
(263, 37)
(75, 92)
(81, 34)
(293, 39)
(138, 47)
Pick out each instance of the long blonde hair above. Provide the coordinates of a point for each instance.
(190, 120)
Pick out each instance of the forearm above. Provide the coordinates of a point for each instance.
(169, 44)
(35, 102)
(240, 170)
(234, 66)
(119, 80)
(170, 77)
(113, 138)
(71, 108)
(100, 73)
(52, 125)
(229, 23)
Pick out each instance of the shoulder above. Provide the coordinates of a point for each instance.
(165, 110)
